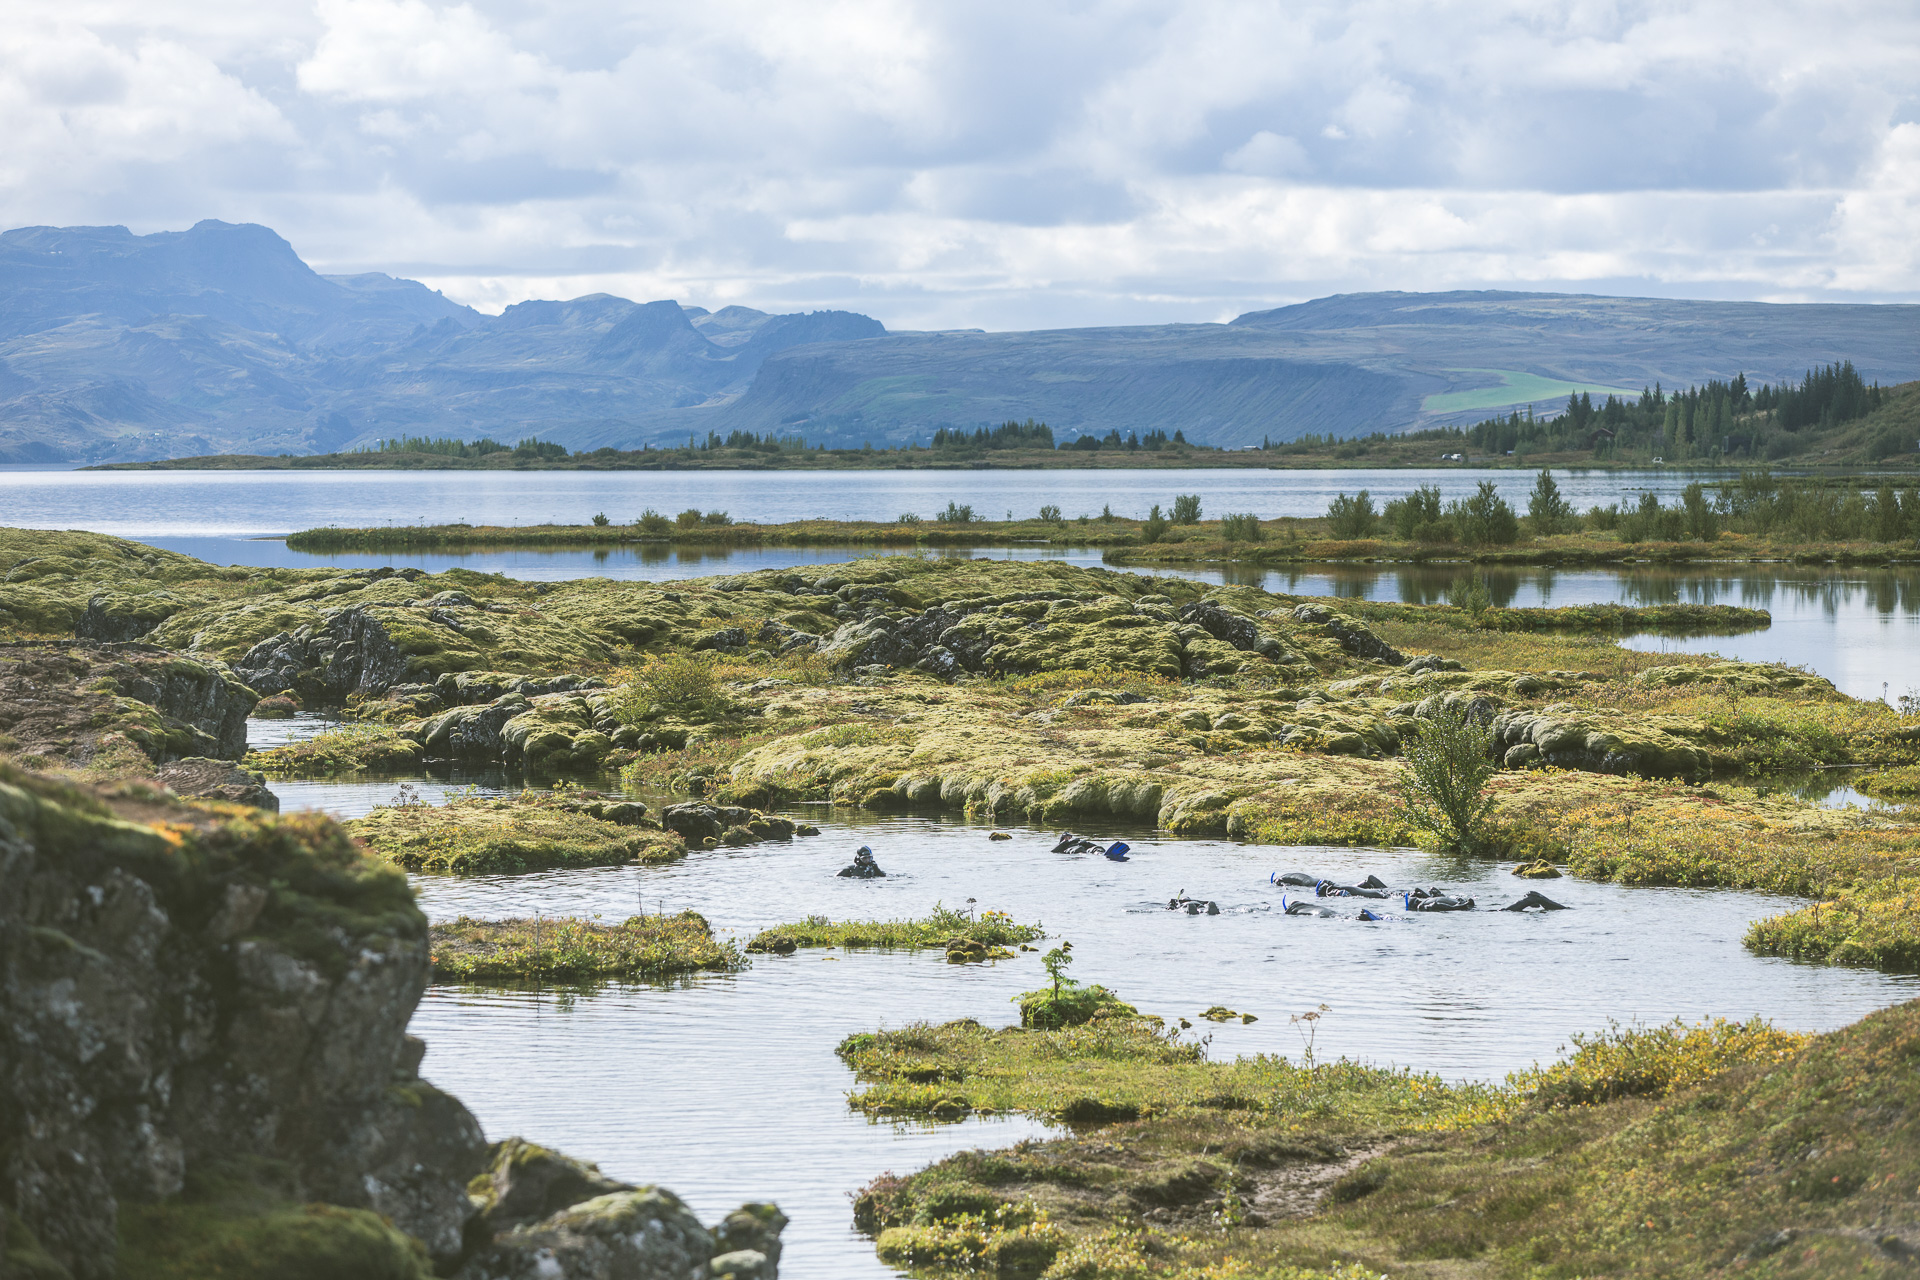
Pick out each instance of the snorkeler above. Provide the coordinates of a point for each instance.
(864, 867)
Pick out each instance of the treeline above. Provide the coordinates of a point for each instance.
(448, 447)
(1008, 435)
(1718, 420)
(1757, 504)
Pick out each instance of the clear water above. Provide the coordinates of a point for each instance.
(726, 1087)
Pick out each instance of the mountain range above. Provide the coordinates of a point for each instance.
(117, 347)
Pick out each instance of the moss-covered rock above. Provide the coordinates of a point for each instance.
(565, 949)
(1743, 677)
(529, 832)
(122, 705)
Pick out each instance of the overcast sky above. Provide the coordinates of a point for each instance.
(993, 163)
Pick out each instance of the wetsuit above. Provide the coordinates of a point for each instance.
(1540, 900)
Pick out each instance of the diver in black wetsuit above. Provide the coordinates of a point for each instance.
(1435, 900)
(863, 867)
(1193, 906)
(1370, 888)
(1540, 900)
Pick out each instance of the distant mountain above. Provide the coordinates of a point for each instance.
(220, 339)
(118, 347)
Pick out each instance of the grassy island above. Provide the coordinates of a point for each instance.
(564, 949)
(990, 929)
(528, 832)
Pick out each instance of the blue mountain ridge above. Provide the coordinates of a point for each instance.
(117, 347)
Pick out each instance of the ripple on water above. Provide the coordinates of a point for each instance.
(727, 1088)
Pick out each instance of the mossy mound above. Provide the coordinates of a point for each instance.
(1743, 677)
(990, 930)
(349, 748)
(564, 948)
(503, 836)
(230, 1225)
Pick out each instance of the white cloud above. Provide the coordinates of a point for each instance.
(994, 163)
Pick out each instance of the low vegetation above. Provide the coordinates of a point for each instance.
(527, 832)
(937, 930)
(566, 949)
(1661, 1151)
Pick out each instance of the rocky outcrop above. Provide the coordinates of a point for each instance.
(200, 778)
(116, 615)
(699, 823)
(347, 652)
(1569, 740)
(68, 701)
(1352, 636)
(192, 1001)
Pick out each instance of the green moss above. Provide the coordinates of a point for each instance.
(236, 1223)
(563, 948)
(494, 836)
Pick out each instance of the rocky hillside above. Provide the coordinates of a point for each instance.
(219, 339)
(116, 347)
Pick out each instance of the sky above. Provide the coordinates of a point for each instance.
(994, 164)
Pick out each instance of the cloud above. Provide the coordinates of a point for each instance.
(994, 164)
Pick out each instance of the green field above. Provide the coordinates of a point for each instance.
(1514, 388)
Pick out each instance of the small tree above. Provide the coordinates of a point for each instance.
(1186, 509)
(1155, 526)
(600, 520)
(956, 513)
(1352, 517)
(1485, 519)
(1056, 962)
(652, 522)
(1444, 782)
(688, 519)
(1050, 513)
(1547, 511)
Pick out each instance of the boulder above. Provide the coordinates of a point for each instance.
(117, 615)
(201, 778)
(1352, 636)
(636, 1234)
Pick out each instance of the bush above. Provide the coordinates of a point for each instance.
(1352, 517)
(956, 513)
(1186, 509)
(653, 522)
(1418, 517)
(688, 519)
(1444, 782)
(909, 517)
(676, 682)
(1050, 513)
(1470, 594)
(600, 520)
(1155, 526)
(716, 518)
(1628, 1062)
(1485, 519)
(1242, 528)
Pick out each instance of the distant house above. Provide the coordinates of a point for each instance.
(1599, 436)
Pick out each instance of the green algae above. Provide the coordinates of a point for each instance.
(530, 832)
(562, 948)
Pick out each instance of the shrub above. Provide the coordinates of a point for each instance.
(676, 682)
(1186, 509)
(1444, 782)
(909, 517)
(716, 518)
(653, 522)
(956, 513)
(1352, 517)
(1050, 513)
(1418, 517)
(1628, 1062)
(1155, 526)
(1470, 594)
(1485, 519)
(600, 520)
(1604, 518)
(688, 519)
(1242, 528)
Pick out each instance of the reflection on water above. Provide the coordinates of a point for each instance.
(726, 1088)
